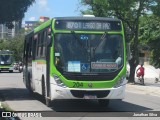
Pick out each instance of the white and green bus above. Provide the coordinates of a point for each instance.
(76, 58)
(6, 60)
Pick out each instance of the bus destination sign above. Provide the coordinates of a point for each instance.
(87, 25)
(104, 65)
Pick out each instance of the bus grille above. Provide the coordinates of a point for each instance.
(89, 77)
(81, 93)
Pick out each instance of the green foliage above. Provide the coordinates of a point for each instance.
(129, 11)
(149, 28)
(13, 10)
(156, 8)
(150, 34)
(14, 44)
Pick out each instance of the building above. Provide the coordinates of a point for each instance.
(144, 54)
(29, 24)
(43, 19)
(5, 32)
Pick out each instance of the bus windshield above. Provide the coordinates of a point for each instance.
(5, 59)
(88, 53)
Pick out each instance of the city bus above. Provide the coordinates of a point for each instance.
(6, 60)
(76, 58)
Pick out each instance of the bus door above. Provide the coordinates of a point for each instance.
(48, 55)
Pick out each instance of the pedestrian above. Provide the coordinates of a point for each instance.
(140, 72)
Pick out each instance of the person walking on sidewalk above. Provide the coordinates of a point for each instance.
(140, 72)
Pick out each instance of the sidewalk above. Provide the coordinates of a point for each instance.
(148, 90)
(150, 87)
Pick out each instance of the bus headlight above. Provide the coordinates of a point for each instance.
(120, 82)
(58, 81)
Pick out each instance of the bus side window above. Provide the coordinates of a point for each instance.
(39, 45)
(30, 50)
(34, 48)
(44, 44)
(25, 51)
(30, 47)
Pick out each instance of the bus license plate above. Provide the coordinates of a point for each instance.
(90, 96)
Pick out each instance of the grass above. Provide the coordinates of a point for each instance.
(6, 107)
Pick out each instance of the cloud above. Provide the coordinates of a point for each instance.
(43, 5)
(32, 18)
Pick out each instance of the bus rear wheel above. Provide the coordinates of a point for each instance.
(46, 100)
(103, 102)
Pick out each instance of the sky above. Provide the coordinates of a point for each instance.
(53, 8)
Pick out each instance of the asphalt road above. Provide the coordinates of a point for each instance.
(14, 93)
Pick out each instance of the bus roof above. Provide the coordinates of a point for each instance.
(49, 22)
(43, 25)
(87, 18)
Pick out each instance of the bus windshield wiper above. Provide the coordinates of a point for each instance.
(101, 41)
(79, 41)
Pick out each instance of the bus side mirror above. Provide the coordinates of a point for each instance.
(49, 40)
(49, 37)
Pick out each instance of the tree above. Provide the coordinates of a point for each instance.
(13, 10)
(129, 11)
(14, 44)
(150, 35)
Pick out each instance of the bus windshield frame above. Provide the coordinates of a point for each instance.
(6, 57)
(85, 53)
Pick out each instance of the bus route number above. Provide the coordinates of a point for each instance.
(77, 84)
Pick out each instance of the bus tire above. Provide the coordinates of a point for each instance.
(47, 101)
(29, 86)
(103, 102)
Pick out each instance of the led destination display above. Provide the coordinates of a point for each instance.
(88, 25)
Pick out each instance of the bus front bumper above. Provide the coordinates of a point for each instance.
(7, 69)
(58, 92)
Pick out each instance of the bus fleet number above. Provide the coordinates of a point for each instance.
(77, 84)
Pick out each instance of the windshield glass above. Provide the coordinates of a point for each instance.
(5, 59)
(88, 53)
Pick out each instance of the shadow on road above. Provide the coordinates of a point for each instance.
(93, 106)
(15, 94)
(19, 94)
